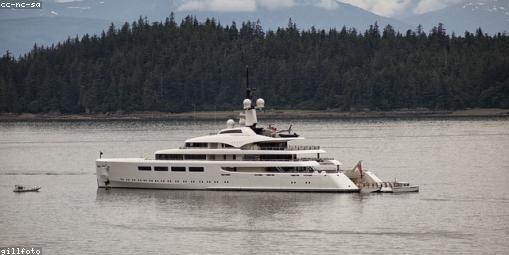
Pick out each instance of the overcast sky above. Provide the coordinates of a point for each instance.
(389, 8)
(400, 7)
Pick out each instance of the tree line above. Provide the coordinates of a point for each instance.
(172, 67)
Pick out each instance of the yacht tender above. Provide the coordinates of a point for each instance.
(241, 157)
(21, 188)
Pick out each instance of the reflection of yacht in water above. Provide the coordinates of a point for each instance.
(244, 156)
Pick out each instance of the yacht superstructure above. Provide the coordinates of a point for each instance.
(242, 156)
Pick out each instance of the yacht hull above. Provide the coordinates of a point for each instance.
(125, 174)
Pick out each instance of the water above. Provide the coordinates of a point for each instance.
(461, 166)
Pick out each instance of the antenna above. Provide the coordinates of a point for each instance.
(250, 108)
(248, 89)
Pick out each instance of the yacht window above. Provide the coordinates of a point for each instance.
(275, 157)
(169, 156)
(251, 157)
(197, 145)
(196, 157)
(234, 131)
(196, 169)
(272, 146)
(178, 168)
(160, 168)
(175, 157)
(145, 168)
(271, 169)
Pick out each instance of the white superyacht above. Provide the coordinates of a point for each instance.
(243, 156)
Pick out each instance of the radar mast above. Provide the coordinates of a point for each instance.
(248, 118)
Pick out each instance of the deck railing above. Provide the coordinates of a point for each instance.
(290, 148)
(292, 160)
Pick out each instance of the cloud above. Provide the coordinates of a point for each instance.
(386, 8)
(392, 8)
(250, 5)
(219, 5)
(328, 4)
(275, 4)
(432, 5)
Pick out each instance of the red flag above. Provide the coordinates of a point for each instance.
(359, 166)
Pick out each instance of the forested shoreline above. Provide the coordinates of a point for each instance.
(199, 66)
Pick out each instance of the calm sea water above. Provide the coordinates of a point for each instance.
(462, 167)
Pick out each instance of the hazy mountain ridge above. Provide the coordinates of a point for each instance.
(492, 16)
(59, 20)
(94, 12)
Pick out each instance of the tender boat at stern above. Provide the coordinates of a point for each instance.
(402, 187)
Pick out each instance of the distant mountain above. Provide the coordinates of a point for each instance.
(305, 13)
(305, 16)
(491, 15)
(20, 29)
(115, 10)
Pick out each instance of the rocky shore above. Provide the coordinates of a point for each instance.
(269, 114)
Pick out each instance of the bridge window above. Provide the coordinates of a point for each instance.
(196, 145)
(145, 168)
(233, 131)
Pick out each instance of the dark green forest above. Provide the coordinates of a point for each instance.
(172, 67)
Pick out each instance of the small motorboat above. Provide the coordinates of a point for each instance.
(400, 187)
(21, 188)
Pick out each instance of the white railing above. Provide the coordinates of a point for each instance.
(289, 148)
(303, 147)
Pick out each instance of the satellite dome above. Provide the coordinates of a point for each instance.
(247, 104)
(260, 103)
(230, 123)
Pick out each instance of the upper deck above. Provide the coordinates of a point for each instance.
(244, 142)
(239, 137)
